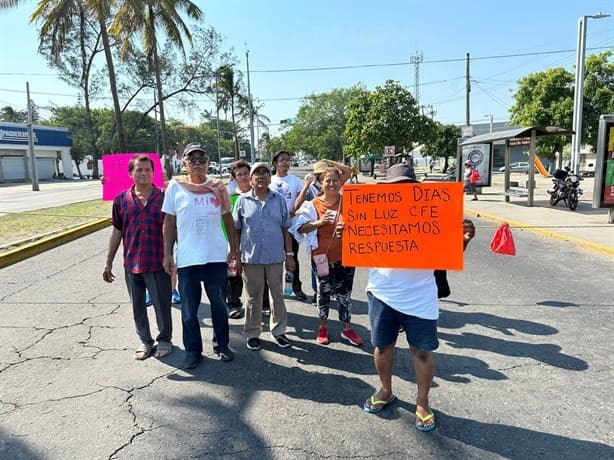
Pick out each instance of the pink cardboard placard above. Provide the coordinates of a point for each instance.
(116, 177)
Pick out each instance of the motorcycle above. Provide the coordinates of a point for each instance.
(566, 187)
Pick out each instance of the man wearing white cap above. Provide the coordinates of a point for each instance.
(261, 220)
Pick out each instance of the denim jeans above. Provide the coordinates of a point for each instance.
(214, 277)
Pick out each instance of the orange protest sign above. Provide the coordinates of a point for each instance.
(403, 225)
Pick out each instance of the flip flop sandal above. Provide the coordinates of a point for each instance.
(142, 352)
(163, 349)
(425, 428)
(373, 406)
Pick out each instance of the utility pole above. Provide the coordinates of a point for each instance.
(217, 123)
(416, 59)
(251, 112)
(33, 172)
(468, 92)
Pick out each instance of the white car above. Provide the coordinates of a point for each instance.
(518, 166)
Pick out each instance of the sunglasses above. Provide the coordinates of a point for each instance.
(201, 160)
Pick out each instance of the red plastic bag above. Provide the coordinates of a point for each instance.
(502, 242)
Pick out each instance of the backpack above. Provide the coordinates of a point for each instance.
(474, 177)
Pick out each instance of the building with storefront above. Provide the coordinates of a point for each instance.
(51, 150)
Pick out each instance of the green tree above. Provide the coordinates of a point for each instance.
(443, 143)
(598, 94)
(387, 116)
(319, 127)
(12, 115)
(145, 17)
(230, 91)
(56, 19)
(546, 98)
(74, 61)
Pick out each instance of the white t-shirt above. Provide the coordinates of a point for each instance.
(412, 292)
(289, 187)
(200, 239)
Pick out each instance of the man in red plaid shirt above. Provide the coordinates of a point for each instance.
(137, 222)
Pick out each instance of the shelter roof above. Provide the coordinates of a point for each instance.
(516, 133)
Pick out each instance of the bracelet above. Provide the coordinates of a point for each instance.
(289, 253)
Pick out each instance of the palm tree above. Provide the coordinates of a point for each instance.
(261, 121)
(145, 17)
(57, 18)
(229, 84)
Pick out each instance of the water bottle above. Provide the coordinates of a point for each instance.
(288, 287)
(232, 267)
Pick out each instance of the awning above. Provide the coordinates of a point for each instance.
(517, 132)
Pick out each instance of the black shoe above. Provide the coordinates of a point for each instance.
(235, 313)
(225, 354)
(314, 300)
(300, 295)
(192, 361)
(281, 340)
(253, 343)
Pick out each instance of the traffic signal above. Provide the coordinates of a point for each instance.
(285, 121)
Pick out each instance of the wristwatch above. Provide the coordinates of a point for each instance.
(289, 253)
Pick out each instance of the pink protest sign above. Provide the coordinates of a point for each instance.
(116, 177)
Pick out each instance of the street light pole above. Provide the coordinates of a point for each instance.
(251, 112)
(576, 138)
(491, 116)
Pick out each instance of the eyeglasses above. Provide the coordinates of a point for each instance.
(201, 160)
(261, 173)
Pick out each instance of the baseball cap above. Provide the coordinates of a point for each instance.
(258, 166)
(194, 147)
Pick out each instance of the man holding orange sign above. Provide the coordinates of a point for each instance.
(407, 230)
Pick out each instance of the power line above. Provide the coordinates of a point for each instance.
(436, 61)
(365, 66)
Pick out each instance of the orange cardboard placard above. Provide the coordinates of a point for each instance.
(404, 225)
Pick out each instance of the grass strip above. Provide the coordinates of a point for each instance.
(17, 228)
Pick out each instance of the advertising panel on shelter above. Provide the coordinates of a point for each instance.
(603, 190)
(116, 176)
(403, 225)
(480, 157)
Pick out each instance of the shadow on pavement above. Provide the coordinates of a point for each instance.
(13, 448)
(456, 320)
(544, 352)
(519, 443)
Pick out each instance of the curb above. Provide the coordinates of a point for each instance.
(50, 242)
(540, 231)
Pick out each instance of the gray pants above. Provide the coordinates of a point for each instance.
(159, 286)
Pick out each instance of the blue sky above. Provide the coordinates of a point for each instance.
(311, 34)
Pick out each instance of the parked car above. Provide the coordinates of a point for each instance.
(213, 168)
(518, 166)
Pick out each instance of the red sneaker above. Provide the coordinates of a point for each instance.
(351, 336)
(323, 335)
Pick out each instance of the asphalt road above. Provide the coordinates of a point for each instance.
(524, 369)
(21, 197)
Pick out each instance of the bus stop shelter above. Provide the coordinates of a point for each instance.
(532, 132)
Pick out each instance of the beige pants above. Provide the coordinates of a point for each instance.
(253, 279)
